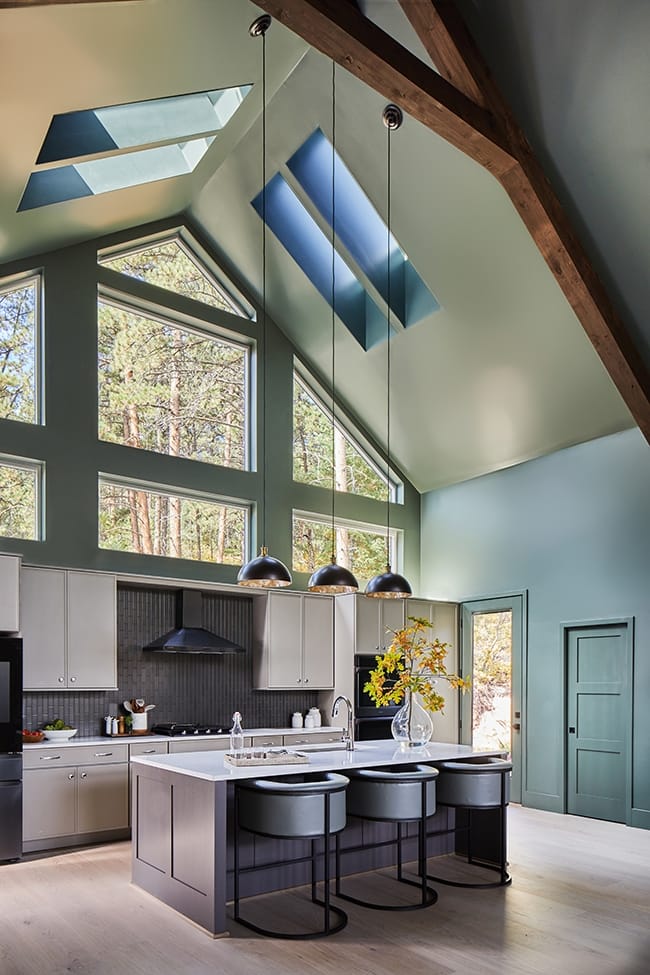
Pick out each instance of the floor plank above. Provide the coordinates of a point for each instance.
(579, 904)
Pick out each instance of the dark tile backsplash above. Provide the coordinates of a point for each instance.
(199, 687)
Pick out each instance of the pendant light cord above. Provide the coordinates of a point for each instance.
(333, 299)
(388, 186)
(264, 329)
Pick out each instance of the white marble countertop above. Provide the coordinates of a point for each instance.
(211, 766)
(104, 739)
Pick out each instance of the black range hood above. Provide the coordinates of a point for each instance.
(188, 636)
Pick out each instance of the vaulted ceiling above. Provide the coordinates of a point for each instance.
(504, 371)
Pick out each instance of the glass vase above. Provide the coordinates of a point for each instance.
(412, 725)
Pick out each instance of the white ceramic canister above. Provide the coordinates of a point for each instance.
(296, 720)
(309, 720)
(315, 713)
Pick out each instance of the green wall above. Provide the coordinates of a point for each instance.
(73, 455)
(573, 529)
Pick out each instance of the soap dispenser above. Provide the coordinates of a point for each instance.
(236, 734)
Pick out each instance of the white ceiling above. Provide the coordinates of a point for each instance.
(502, 373)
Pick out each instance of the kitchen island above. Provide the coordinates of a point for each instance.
(182, 826)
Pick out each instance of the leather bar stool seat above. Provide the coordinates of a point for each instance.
(395, 794)
(308, 805)
(477, 783)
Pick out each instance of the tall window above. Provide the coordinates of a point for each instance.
(314, 461)
(19, 333)
(20, 483)
(359, 547)
(171, 389)
(139, 518)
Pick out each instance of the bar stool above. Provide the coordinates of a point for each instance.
(393, 794)
(308, 805)
(478, 782)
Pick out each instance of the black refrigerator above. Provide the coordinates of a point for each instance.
(11, 748)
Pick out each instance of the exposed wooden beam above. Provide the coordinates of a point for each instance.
(489, 134)
(443, 32)
(341, 32)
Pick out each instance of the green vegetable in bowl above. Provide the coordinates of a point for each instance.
(58, 725)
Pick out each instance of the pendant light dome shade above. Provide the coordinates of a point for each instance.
(264, 571)
(389, 585)
(334, 579)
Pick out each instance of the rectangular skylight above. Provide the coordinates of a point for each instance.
(185, 124)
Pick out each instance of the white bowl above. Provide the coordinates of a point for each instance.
(60, 735)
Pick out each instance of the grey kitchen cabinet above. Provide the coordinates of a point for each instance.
(266, 741)
(375, 619)
(313, 738)
(294, 641)
(69, 629)
(74, 794)
(145, 748)
(9, 590)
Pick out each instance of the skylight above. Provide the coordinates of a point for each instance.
(126, 143)
(361, 235)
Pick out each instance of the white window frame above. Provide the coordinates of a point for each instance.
(396, 535)
(352, 434)
(165, 316)
(36, 467)
(13, 283)
(170, 491)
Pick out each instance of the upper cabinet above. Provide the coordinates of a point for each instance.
(374, 622)
(9, 589)
(294, 641)
(69, 629)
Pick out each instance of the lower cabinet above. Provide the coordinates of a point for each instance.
(71, 795)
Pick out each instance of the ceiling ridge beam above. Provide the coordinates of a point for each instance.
(343, 34)
(447, 40)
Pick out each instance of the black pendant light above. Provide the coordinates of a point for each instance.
(389, 584)
(333, 579)
(264, 571)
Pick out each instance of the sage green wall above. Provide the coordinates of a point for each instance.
(573, 529)
(73, 455)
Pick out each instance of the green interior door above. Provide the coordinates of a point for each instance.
(598, 719)
(492, 649)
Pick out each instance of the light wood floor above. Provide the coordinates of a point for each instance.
(579, 905)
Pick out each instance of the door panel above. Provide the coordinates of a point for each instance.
(598, 715)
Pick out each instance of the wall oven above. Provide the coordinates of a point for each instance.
(11, 747)
(371, 722)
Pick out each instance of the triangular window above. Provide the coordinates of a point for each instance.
(316, 458)
(171, 263)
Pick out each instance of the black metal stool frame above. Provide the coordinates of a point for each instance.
(502, 866)
(428, 896)
(328, 908)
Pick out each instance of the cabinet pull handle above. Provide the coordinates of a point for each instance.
(71, 775)
(60, 680)
(149, 751)
(72, 680)
(306, 680)
(301, 741)
(103, 754)
(83, 775)
(49, 758)
(299, 679)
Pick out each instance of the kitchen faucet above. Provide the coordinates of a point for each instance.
(348, 737)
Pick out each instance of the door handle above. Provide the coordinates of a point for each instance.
(517, 726)
(572, 731)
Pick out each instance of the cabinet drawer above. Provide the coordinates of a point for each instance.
(202, 745)
(265, 741)
(148, 748)
(313, 739)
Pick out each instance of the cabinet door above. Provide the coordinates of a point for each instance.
(92, 654)
(199, 745)
(42, 613)
(284, 640)
(9, 586)
(102, 797)
(368, 624)
(49, 803)
(318, 642)
(423, 608)
(393, 614)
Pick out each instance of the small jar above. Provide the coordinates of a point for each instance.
(309, 720)
(315, 713)
(296, 719)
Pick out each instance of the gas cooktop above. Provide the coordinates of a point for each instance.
(174, 730)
